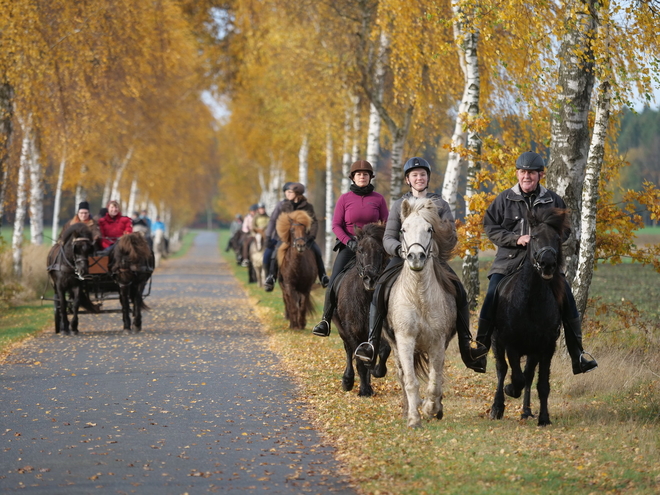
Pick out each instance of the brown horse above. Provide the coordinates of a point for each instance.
(354, 294)
(131, 265)
(297, 265)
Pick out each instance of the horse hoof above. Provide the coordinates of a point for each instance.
(545, 422)
(347, 385)
(414, 424)
(526, 414)
(366, 392)
(440, 414)
(379, 372)
(511, 391)
(496, 413)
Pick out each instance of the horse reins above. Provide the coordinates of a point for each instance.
(76, 258)
(537, 254)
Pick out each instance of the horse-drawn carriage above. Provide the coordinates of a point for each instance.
(82, 278)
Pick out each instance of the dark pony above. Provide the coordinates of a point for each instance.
(131, 265)
(67, 268)
(354, 293)
(528, 315)
(297, 267)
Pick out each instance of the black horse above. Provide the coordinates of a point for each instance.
(67, 268)
(131, 265)
(528, 315)
(354, 293)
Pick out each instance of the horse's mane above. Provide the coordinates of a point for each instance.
(134, 247)
(375, 230)
(283, 224)
(75, 231)
(444, 238)
(444, 232)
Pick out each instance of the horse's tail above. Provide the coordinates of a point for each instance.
(310, 308)
(143, 306)
(87, 303)
(421, 360)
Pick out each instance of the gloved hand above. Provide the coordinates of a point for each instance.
(309, 242)
(271, 243)
(352, 245)
(398, 251)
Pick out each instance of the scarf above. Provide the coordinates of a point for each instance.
(362, 191)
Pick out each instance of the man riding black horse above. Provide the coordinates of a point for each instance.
(506, 227)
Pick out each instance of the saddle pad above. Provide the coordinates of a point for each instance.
(98, 264)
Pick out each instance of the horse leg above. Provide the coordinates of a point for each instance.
(124, 296)
(432, 406)
(497, 409)
(514, 389)
(406, 350)
(348, 379)
(136, 297)
(76, 306)
(64, 320)
(530, 368)
(543, 389)
(383, 353)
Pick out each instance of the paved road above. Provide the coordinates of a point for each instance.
(194, 404)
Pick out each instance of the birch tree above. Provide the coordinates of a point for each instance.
(58, 199)
(21, 201)
(329, 201)
(303, 161)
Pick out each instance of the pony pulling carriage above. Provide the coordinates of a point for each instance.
(82, 279)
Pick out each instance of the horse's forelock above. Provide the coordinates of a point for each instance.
(375, 230)
(134, 247)
(556, 218)
(77, 230)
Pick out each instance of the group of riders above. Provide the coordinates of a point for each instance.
(505, 224)
(109, 225)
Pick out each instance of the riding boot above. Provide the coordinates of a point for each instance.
(485, 333)
(322, 329)
(367, 351)
(582, 362)
(323, 278)
(269, 283)
(473, 353)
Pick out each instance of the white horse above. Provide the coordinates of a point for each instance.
(257, 249)
(422, 307)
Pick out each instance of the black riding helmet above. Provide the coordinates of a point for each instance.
(530, 161)
(286, 186)
(416, 162)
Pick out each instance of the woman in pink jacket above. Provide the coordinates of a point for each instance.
(113, 225)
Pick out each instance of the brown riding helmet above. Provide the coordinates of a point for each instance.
(361, 166)
(296, 187)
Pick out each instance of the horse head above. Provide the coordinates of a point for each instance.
(417, 231)
(370, 257)
(546, 230)
(293, 228)
(77, 246)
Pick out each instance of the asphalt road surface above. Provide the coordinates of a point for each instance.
(196, 403)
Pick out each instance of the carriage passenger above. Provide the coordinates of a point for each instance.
(354, 209)
(113, 225)
(247, 228)
(506, 226)
(295, 200)
(417, 174)
(83, 216)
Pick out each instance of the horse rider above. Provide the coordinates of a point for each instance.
(271, 236)
(417, 174)
(295, 200)
(83, 216)
(506, 226)
(248, 225)
(113, 225)
(354, 209)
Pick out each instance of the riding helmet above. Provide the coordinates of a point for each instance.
(296, 187)
(416, 162)
(361, 166)
(253, 207)
(260, 205)
(286, 185)
(530, 161)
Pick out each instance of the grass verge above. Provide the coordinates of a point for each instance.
(21, 322)
(604, 437)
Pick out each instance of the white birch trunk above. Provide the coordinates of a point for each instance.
(115, 194)
(373, 133)
(271, 191)
(570, 129)
(21, 202)
(36, 194)
(132, 196)
(346, 155)
(357, 128)
(585, 267)
(453, 170)
(399, 136)
(467, 40)
(58, 198)
(3, 190)
(303, 164)
(106, 193)
(329, 202)
(81, 192)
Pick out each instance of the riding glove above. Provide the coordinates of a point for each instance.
(352, 245)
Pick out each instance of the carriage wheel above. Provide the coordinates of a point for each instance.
(56, 308)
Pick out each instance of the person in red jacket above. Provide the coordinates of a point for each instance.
(113, 225)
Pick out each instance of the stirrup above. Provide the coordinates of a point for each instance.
(362, 352)
(591, 364)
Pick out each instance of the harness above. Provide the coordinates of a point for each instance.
(64, 264)
(427, 249)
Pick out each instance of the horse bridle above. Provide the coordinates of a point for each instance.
(404, 245)
(295, 224)
(536, 255)
(77, 258)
